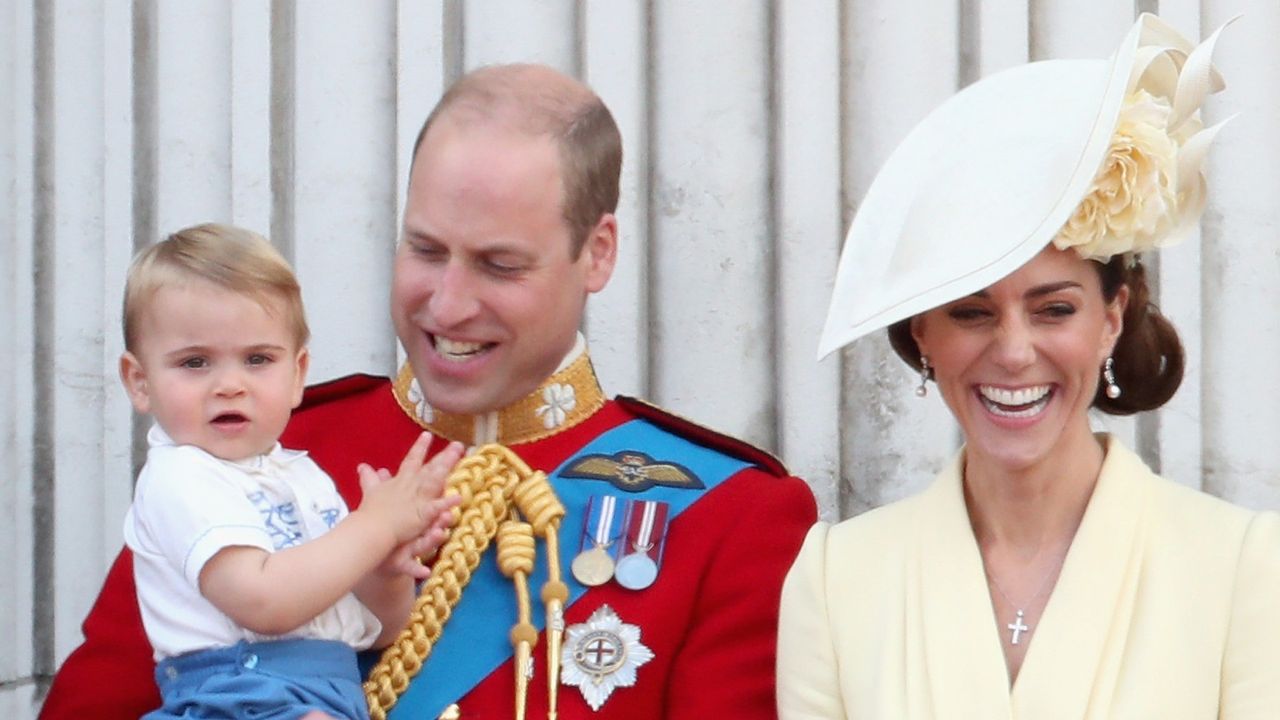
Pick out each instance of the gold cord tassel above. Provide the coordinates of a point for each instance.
(554, 595)
(486, 480)
(515, 559)
(538, 502)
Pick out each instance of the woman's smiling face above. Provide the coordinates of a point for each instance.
(1018, 363)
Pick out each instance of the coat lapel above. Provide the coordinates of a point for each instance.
(966, 674)
(1070, 669)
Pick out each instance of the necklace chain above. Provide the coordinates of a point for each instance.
(1018, 626)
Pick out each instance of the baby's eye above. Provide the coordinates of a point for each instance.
(194, 363)
(258, 359)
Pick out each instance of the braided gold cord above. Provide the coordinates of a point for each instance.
(486, 480)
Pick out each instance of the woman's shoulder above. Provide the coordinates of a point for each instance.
(1199, 516)
(1214, 535)
(880, 529)
(1187, 511)
(856, 564)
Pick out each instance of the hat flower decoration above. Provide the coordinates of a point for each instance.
(1150, 191)
(1103, 157)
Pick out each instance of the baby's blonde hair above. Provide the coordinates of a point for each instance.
(230, 257)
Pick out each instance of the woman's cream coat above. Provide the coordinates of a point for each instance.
(1168, 606)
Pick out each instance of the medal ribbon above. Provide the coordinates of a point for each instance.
(653, 516)
(603, 534)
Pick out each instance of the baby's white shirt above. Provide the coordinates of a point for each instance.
(188, 505)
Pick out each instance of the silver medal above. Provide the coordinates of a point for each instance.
(646, 525)
(636, 571)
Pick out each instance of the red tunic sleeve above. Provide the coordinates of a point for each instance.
(725, 666)
(110, 676)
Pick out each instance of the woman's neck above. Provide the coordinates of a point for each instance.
(1035, 508)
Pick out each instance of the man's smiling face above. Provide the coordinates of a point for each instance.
(486, 297)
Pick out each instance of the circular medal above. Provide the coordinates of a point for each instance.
(636, 571)
(593, 567)
(600, 653)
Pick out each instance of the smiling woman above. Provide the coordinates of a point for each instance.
(1018, 362)
(1047, 572)
(1147, 359)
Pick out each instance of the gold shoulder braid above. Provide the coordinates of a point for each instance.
(563, 400)
(496, 487)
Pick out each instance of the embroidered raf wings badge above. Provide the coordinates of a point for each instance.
(633, 471)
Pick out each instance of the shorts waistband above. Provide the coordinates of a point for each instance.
(298, 657)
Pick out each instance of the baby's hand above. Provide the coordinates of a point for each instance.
(410, 503)
(411, 558)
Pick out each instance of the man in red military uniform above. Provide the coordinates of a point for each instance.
(677, 538)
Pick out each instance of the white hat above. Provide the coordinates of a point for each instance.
(1102, 156)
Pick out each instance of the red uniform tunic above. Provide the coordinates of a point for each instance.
(710, 618)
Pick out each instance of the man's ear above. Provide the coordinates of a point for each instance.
(134, 378)
(302, 362)
(601, 250)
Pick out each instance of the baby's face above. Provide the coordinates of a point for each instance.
(215, 368)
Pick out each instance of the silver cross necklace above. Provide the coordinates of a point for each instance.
(1018, 627)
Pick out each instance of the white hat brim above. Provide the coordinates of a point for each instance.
(968, 198)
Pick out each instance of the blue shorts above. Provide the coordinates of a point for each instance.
(279, 680)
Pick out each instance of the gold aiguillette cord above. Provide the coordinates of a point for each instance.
(491, 480)
(515, 559)
(538, 502)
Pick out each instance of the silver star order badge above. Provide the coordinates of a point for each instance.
(602, 654)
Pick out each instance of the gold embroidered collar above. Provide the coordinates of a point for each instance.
(563, 400)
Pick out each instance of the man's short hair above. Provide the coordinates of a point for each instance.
(230, 257)
(540, 101)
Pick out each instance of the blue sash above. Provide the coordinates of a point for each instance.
(475, 640)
